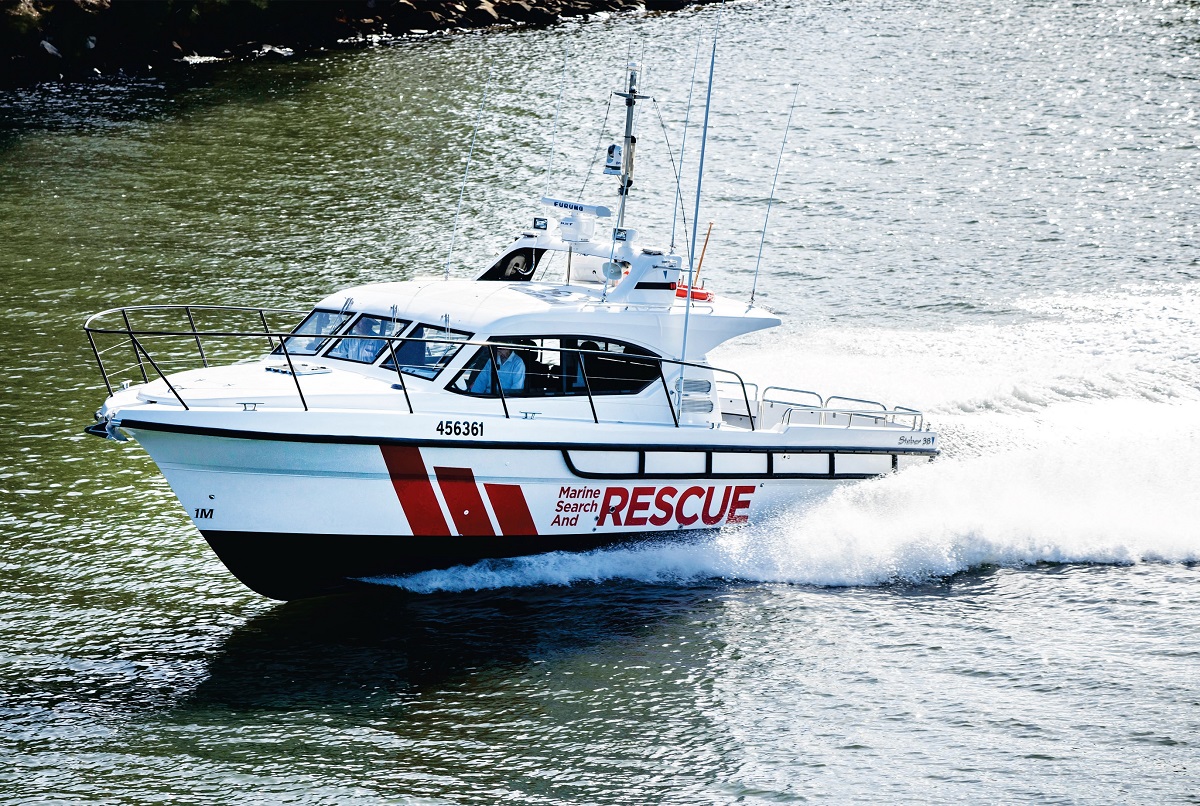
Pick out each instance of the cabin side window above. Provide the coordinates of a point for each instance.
(366, 350)
(318, 325)
(425, 359)
(556, 366)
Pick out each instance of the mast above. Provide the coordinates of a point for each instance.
(631, 97)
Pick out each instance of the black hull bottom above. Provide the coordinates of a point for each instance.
(290, 566)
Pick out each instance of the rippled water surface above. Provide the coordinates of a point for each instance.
(987, 210)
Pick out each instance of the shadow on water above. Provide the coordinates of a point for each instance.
(351, 650)
(112, 102)
(347, 650)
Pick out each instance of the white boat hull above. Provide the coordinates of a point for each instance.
(297, 513)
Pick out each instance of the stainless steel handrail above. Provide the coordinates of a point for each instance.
(128, 331)
(92, 328)
(139, 349)
(185, 307)
(920, 414)
(918, 418)
(749, 412)
(767, 399)
(854, 400)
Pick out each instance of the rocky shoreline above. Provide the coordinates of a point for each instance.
(48, 40)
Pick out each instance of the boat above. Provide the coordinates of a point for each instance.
(559, 400)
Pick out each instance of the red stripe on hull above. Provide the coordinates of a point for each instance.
(466, 506)
(512, 512)
(411, 480)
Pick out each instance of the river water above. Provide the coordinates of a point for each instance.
(986, 210)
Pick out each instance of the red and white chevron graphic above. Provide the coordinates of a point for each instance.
(462, 495)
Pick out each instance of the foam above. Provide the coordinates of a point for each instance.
(1140, 342)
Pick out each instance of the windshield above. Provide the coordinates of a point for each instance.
(364, 350)
(320, 325)
(425, 359)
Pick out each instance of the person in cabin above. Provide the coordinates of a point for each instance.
(511, 370)
(363, 351)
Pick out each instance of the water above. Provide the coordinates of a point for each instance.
(986, 210)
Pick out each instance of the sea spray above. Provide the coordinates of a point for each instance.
(1140, 342)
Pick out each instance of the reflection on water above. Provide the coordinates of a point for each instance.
(329, 652)
(625, 692)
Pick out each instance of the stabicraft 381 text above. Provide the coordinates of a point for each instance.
(415, 425)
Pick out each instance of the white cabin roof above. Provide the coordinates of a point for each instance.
(529, 309)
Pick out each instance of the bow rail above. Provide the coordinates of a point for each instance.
(739, 403)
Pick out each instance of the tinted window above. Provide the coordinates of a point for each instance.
(366, 351)
(615, 368)
(513, 371)
(559, 366)
(425, 359)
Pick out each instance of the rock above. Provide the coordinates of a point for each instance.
(41, 38)
(485, 12)
(529, 11)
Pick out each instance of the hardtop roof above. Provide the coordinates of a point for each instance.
(527, 308)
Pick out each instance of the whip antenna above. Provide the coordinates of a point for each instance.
(683, 148)
(676, 169)
(687, 311)
(558, 108)
(771, 200)
(467, 170)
